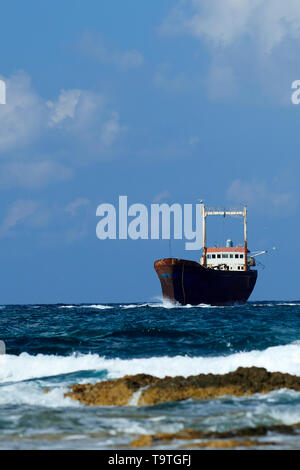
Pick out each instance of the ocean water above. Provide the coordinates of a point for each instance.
(54, 346)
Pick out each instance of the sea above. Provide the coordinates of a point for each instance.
(51, 347)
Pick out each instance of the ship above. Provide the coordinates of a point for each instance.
(224, 275)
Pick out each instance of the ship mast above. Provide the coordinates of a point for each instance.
(245, 238)
(232, 212)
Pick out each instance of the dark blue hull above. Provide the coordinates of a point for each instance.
(187, 282)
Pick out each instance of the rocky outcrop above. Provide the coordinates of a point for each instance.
(226, 439)
(147, 441)
(147, 390)
(117, 392)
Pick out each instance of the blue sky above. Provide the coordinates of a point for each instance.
(168, 101)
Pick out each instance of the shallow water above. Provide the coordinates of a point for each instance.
(54, 346)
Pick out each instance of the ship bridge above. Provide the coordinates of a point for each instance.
(227, 258)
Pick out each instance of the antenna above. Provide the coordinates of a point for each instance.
(262, 252)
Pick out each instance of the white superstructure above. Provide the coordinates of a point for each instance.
(227, 258)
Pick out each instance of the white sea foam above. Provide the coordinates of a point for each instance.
(26, 366)
(98, 306)
(161, 303)
(275, 304)
(23, 377)
(288, 303)
(164, 303)
(279, 358)
(168, 305)
(31, 393)
(285, 358)
(125, 306)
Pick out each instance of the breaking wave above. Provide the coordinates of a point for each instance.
(285, 358)
(97, 306)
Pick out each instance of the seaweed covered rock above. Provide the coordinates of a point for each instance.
(142, 389)
(240, 437)
(110, 392)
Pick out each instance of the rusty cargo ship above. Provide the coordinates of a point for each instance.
(224, 275)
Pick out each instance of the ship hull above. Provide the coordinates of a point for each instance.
(187, 282)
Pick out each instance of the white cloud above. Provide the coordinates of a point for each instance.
(161, 196)
(194, 140)
(32, 174)
(176, 82)
(22, 117)
(110, 129)
(253, 45)
(73, 207)
(257, 194)
(96, 47)
(75, 109)
(130, 59)
(222, 22)
(81, 121)
(79, 210)
(27, 117)
(85, 116)
(221, 82)
(18, 213)
(170, 80)
(64, 107)
(28, 215)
